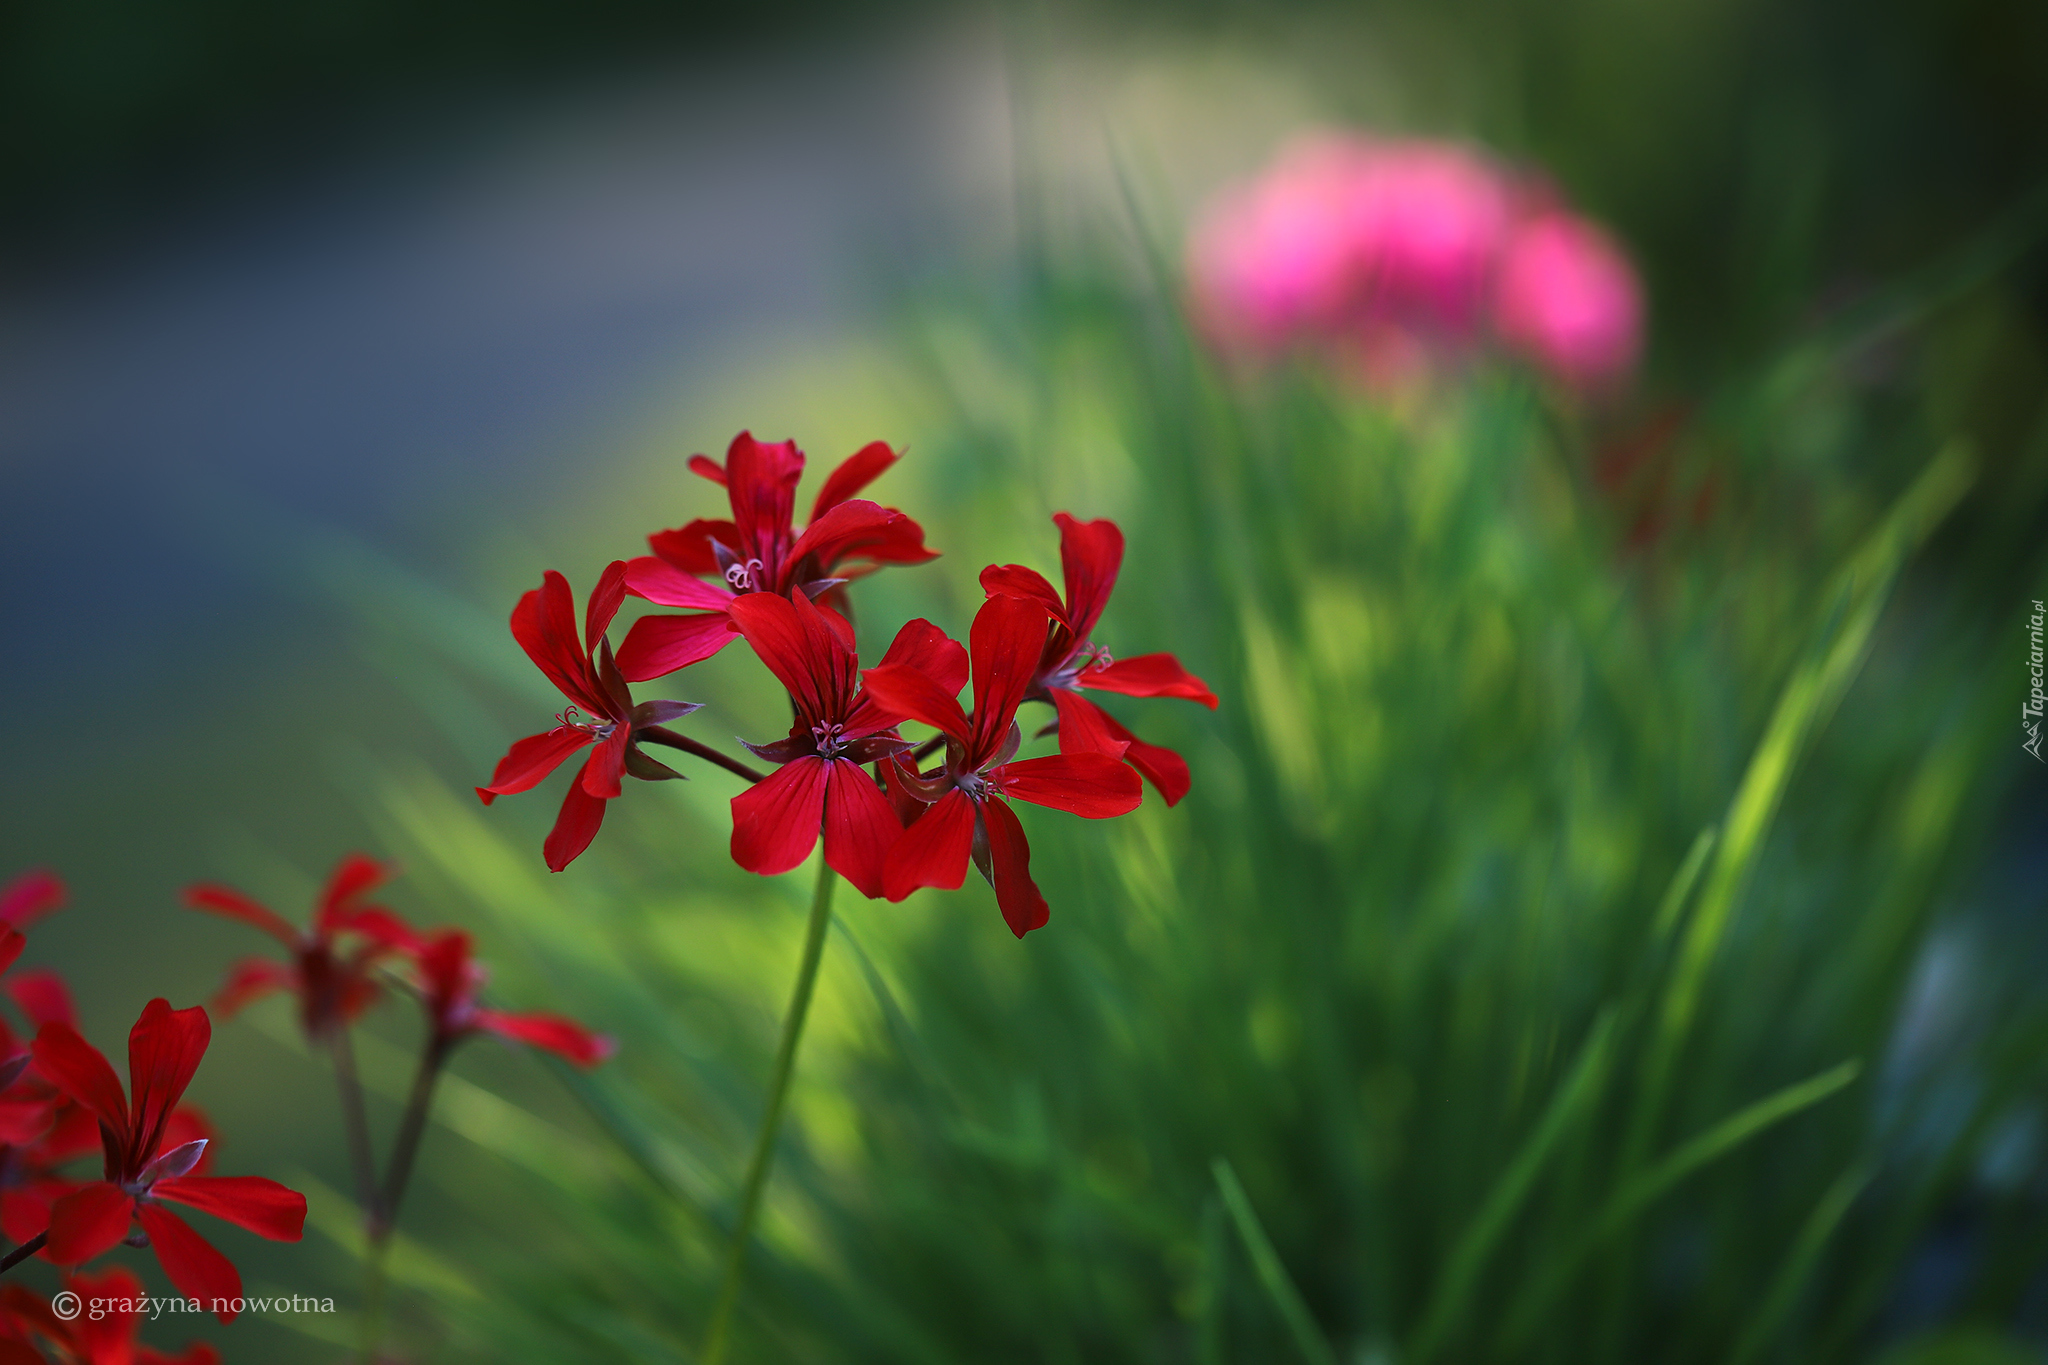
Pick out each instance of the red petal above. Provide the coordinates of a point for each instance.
(799, 646)
(904, 691)
(565, 1038)
(839, 533)
(600, 776)
(1085, 728)
(662, 644)
(530, 760)
(665, 585)
(1014, 580)
(603, 603)
(1148, 675)
(25, 1209)
(232, 904)
(934, 850)
(1009, 860)
(30, 896)
(23, 1121)
(932, 652)
(704, 467)
(88, 1222)
(860, 827)
(198, 1353)
(19, 1353)
(1091, 553)
(688, 547)
(575, 827)
(444, 965)
(385, 929)
(352, 877)
(190, 1261)
(761, 479)
(106, 1335)
(551, 653)
(856, 472)
(775, 822)
(251, 979)
(1091, 785)
(78, 1069)
(1162, 767)
(1005, 641)
(261, 1206)
(11, 944)
(164, 1049)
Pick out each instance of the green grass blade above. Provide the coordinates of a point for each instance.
(1809, 698)
(1646, 1188)
(1461, 1270)
(1799, 1262)
(1273, 1277)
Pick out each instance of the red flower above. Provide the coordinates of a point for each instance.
(544, 623)
(105, 1334)
(759, 550)
(449, 981)
(970, 794)
(776, 822)
(141, 1171)
(333, 987)
(1091, 552)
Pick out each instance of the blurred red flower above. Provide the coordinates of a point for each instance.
(449, 979)
(106, 1336)
(333, 986)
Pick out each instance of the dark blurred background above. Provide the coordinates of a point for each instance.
(435, 282)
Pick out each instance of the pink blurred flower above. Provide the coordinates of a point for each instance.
(1393, 257)
(1568, 300)
(1346, 232)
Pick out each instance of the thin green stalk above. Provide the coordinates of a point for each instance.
(384, 1218)
(719, 1332)
(1273, 1276)
(1460, 1275)
(1637, 1194)
(356, 1123)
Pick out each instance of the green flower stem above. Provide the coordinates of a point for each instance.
(355, 1121)
(384, 1218)
(771, 1118)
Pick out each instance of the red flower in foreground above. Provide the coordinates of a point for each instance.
(759, 550)
(449, 981)
(334, 987)
(105, 1336)
(821, 783)
(969, 795)
(544, 623)
(1091, 553)
(142, 1171)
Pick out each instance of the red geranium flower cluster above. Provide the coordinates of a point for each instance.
(845, 773)
(60, 1101)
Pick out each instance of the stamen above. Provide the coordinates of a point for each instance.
(830, 739)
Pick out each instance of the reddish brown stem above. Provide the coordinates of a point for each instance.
(657, 734)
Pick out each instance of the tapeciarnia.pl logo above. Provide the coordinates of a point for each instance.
(2030, 710)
